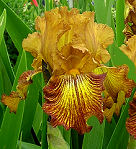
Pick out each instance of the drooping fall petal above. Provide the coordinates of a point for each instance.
(131, 121)
(71, 100)
(14, 98)
(116, 80)
(11, 101)
(117, 88)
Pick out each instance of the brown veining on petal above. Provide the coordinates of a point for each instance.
(71, 100)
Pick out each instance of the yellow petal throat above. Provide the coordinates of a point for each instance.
(71, 100)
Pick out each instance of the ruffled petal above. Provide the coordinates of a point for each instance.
(40, 24)
(117, 88)
(11, 101)
(14, 98)
(71, 100)
(80, 59)
(97, 37)
(33, 45)
(116, 80)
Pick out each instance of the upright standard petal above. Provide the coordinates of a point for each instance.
(59, 28)
(97, 37)
(33, 45)
(71, 100)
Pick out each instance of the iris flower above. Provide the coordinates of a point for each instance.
(74, 48)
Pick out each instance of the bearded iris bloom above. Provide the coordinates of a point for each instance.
(74, 48)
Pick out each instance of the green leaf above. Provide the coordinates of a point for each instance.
(38, 118)
(94, 139)
(5, 84)
(100, 10)
(55, 138)
(109, 128)
(119, 58)
(120, 5)
(3, 50)
(25, 145)
(67, 135)
(2, 24)
(74, 140)
(30, 109)
(11, 124)
(14, 26)
(6, 61)
(110, 20)
(17, 31)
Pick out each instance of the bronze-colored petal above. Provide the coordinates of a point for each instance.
(116, 80)
(60, 28)
(72, 99)
(14, 98)
(40, 24)
(131, 121)
(11, 101)
(33, 45)
(80, 59)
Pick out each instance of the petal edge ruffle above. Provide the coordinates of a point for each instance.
(71, 100)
